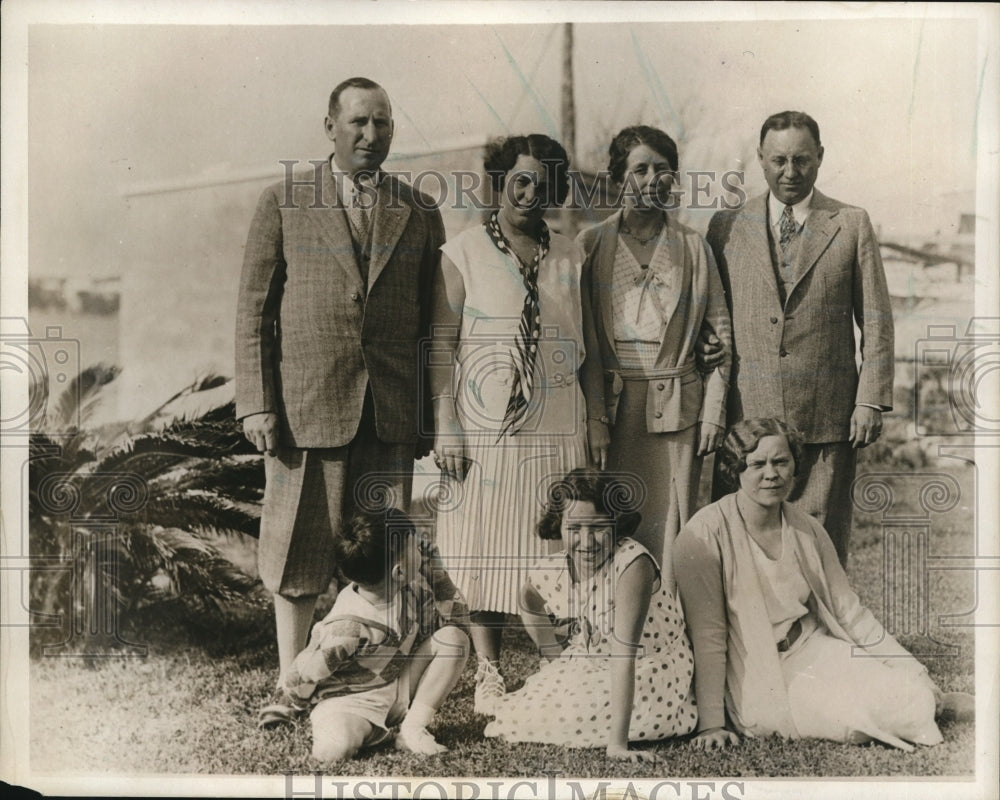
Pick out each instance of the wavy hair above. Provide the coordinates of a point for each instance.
(500, 155)
(744, 437)
(611, 495)
(627, 139)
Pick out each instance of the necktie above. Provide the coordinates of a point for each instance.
(528, 328)
(788, 227)
(359, 206)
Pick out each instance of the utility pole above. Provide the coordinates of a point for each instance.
(568, 125)
(568, 104)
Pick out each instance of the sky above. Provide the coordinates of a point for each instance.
(112, 107)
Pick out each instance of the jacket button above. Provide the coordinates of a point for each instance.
(774, 320)
(658, 414)
(660, 387)
(355, 296)
(783, 352)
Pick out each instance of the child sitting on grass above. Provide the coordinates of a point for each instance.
(392, 647)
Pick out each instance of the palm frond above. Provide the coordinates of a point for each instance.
(217, 425)
(240, 478)
(77, 402)
(208, 441)
(200, 512)
(150, 457)
(197, 572)
(63, 453)
(194, 479)
(201, 384)
(224, 413)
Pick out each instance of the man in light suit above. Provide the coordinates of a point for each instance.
(799, 268)
(334, 300)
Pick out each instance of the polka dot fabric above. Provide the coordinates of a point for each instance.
(568, 701)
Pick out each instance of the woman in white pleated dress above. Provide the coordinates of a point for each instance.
(509, 379)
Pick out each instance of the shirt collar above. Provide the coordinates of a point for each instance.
(346, 187)
(800, 210)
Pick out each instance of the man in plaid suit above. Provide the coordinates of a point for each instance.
(799, 270)
(334, 300)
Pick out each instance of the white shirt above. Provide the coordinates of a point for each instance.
(347, 189)
(800, 211)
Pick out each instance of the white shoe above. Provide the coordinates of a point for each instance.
(418, 740)
(489, 686)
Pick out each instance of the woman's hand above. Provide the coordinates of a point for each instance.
(598, 439)
(449, 455)
(449, 444)
(709, 437)
(714, 738)
(620, 752)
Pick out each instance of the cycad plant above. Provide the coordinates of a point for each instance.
(123, 518)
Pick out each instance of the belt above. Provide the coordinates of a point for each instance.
(617, 378)
(656, 373)
(793, 634)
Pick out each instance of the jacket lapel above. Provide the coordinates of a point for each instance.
(820, 228)
(604, 277)
(391, 215)
(753, 240)
(330, 220)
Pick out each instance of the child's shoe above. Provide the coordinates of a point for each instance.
(957, 707)
(415, 739)
(489, 686)
(280, 709)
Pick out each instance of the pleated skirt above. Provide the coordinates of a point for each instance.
(486, 523)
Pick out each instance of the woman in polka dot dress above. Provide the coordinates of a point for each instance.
(618, 664)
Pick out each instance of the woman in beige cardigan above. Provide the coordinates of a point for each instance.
(782, 644)
(653, 284)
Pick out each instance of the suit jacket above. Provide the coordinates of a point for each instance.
(797, 361)
(309, 337)
(672, 403)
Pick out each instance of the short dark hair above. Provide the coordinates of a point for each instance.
(613, 495)
(743, 438)
(627, 139)
(790, 119)
(351, 83)
(501, 154)
(370, 544)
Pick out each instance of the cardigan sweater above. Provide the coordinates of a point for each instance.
(737, 666)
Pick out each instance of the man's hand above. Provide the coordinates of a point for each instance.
(708, 350)
(262, 431)
(866, 426)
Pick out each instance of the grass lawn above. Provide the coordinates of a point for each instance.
(190, 706)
